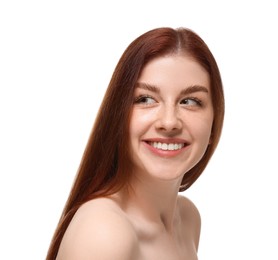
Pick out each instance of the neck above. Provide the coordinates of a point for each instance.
(154, 201)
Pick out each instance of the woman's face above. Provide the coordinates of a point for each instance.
(171, 118)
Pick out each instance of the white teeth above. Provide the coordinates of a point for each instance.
(166, 147)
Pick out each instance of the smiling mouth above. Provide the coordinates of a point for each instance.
(167, 146)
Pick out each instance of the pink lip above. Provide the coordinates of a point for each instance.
(167, 140)
(166, 153)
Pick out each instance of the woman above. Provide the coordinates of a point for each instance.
(157, 128)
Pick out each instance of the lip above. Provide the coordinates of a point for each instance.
(166, 153)
(167, 140)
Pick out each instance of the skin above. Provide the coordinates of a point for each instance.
(148, 219)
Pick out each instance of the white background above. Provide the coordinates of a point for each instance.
(56, 59)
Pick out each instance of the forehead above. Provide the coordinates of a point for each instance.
(178, 70)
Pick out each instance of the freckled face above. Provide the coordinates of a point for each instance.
(171, 119)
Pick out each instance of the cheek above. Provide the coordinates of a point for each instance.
(140, 121)
(136, 129)
(202, 129)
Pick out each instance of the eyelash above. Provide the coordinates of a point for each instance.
(197, 100)
(140, 99)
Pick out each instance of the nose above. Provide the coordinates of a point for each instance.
(169, 120)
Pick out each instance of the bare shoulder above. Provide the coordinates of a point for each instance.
(191, 218)
(99, 231)
(188, 208)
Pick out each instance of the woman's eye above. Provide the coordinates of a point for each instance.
(191, 102)
(145, 100)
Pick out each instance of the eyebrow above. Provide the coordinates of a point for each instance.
(186, 91)
(147, 86)
(193, 89)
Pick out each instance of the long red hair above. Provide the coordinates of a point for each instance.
(105, 164)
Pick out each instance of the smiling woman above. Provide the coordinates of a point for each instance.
(156, 130)
(172, 117)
